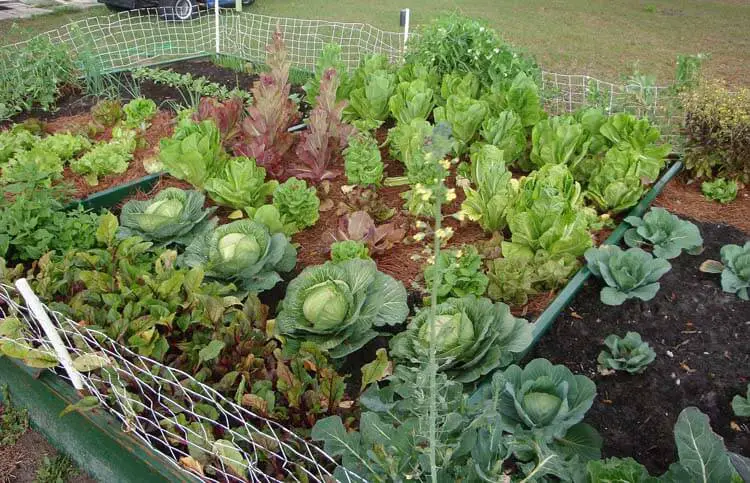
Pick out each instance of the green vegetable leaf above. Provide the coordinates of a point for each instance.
(701, 451)
(211, 351)
(376, 370)
(85, 404)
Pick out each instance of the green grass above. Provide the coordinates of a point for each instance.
(13, 421)
(601, 38)
(55, 470)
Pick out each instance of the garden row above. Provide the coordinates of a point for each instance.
(357, 280)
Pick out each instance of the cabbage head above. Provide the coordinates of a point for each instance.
(544, 399)
(172, 216)
(336, 306)
(243, 252)
(632, 273)
(473, 337)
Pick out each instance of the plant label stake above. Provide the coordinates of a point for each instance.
(404, 22)
(40, 314)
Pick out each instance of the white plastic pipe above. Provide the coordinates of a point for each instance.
(40, 314)
(216, 22)
(407, 14)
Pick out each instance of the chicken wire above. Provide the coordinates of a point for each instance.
(148, 397)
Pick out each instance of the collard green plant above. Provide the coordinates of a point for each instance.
(244, 253)
(241, 185)
(193, 153)
(297, 204)
(336, 305)
(541, 398)
(558, 140)
(363, 164)
(138, 112)
(264, 132)
(464, 115)
(741, 405)
(411, 100)
(349, 250)
(173, 216)
(474, 337)
(506, 132)
(629, 353)
(494, 190)
(106, 158)
(665, 233)
(632, 273)
(461, 273)
(320, 146)
(734, 268)
(720, 189)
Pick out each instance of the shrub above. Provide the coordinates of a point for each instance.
(717, 126)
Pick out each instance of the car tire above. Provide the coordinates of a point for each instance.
(178, 10)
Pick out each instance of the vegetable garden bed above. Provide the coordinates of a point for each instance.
(350, 299)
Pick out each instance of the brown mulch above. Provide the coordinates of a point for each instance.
(685, 199)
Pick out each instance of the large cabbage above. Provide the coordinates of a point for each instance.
(336, 305)
(244, 253)
(172, 216)
(473, 337)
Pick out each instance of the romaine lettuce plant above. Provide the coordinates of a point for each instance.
(720, 189)
(473, 337)
(632, 273)
(407, 140)
(336, 306)
(297, 204)
(615, 184)
(138, 112)
(629, 353)
(493, 190)
(558, 140)
(523, 99)
(506, 133)
(264, 132)
(458, 83)
(461, 273)
(193, 153)
(349, 250)
(320, 146)
(106, 158)
(665, 233)
(411, 100)
(734, 268)
(173, 216)
(241, 185)
(242, 252)
(369, 102)
(363, 164)
(465, 115)
(625, 130)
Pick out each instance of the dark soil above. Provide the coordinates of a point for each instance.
(700, 335)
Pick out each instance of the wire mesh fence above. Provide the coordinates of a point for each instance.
(171, 411)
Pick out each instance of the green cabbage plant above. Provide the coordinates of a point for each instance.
(506, 133)
(173, 216)
(629, 353)
(544, 399)
(194, 153)
(244, 253)
(297, 204)
(336, 305)
(241, 185)
(465, 115)
(461, 271)
(472, 337)
(667, 234)
(412, 100)
(632, 273)
(720, 189)
(495, 190)
(734, 268)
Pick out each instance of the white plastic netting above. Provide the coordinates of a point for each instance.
(172, 412)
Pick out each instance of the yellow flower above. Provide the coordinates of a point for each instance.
(450, 195)
(418, 236)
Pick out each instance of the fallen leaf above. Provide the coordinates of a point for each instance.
(190, 464)
(346, 404)
(576, 316)
(607, 401)
(686, 368)
(735, 426)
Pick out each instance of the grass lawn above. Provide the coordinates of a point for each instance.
(602, 38)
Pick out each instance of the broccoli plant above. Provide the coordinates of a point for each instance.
(336, 306)
(474, 337)
(629, 353)
(667, 234)
(173, 216)
(734, 268)
(632, 273)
